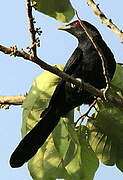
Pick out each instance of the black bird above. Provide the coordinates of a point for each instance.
(85, 63)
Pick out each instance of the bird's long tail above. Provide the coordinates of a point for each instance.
(34, 139)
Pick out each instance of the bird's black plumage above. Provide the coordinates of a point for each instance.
(85, 63)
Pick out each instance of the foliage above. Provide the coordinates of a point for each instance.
(72, 152)
(66, 153)
(60, 10)
(106, 126)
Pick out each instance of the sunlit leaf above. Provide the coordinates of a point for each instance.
(66, 153)
(47, 163)
(60, 10)
(83, 163)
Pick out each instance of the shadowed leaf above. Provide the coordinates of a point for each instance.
(106, 127)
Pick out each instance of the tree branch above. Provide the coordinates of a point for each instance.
(12, 100)
(104, 19)
(33, 58)
(32, 30)
(63, 75)
(120, 63)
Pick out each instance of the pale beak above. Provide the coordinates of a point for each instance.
(64, 27)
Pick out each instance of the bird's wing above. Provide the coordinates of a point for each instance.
(74, 60)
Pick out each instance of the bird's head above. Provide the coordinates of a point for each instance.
(76, 29)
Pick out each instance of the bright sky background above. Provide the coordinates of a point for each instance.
(16, 75)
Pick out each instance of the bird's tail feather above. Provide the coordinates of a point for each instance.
(30, 144)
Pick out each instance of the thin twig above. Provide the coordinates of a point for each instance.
(85, 114)
(101, 54)
(120, 64)
(31, 28)
(12, 100)
(104, 19)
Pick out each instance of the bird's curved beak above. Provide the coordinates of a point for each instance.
(64, 27)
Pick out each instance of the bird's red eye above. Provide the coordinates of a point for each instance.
(77, 23)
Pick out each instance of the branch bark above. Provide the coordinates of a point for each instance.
(63, 75)
(31, 28)
(12, 100)
(104, 19)
(33, 58)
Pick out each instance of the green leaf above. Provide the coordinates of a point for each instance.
(106, 127)
(61, 138)
(38, 98)
(102, 144)
(47, 163)
(83, 163)
(60, 10)
(66, 153)
(118, 78)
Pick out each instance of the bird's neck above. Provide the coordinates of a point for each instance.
(84, 42)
